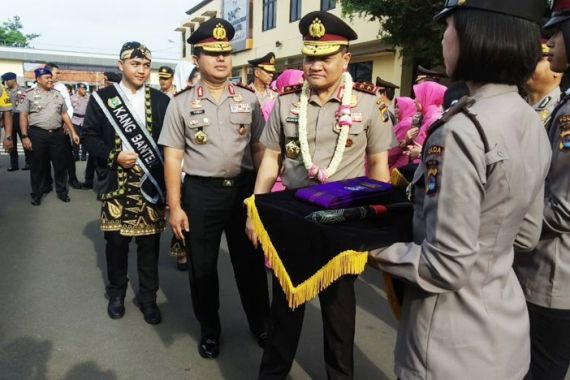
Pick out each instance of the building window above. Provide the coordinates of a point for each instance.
(361, 71)
(269, 9)
(327, 4)
(294, 10)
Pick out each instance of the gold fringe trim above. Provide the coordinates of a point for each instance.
(391, 295)
(347, 262)
(397, 179)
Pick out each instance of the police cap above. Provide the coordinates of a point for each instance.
(213, 36)
(41, 71)
(324, 33)
(267, 62)
(531, 10)
(8, 76)
(165, 72)
(385, 84)
(560, 13)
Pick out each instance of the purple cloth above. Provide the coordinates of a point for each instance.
(347, 193)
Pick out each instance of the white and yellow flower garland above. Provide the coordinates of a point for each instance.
(344, 122)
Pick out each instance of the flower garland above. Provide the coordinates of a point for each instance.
(344, 122)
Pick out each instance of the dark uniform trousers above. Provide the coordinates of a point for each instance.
(14, 161)
(338, 309)
(213, 206)
(117, 253)
(48, 146)
(550, 343)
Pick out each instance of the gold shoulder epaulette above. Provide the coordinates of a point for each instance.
(241, 85)
(364, 87)
(182, 91)
(292, 89)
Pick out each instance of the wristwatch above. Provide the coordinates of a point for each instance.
(24, 136)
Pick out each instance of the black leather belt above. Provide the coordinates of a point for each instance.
(223, 182)
(78, 114)
(46, 130)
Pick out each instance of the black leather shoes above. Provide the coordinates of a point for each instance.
(116, 307)
(27, 167)
(12, 169)
(64, 198)
(75, 184)
(86, 185)
(36, 201)
(209, 347)
(151, 313)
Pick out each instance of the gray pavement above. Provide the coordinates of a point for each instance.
(53, 321)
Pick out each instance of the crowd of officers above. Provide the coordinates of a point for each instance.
(479, 191)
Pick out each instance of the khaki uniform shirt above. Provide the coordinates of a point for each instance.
(546, 105)
(5, 104)
(545, 273)
(368, 135)
(263, 96)
(16, 96)
(230, 126)
(464, 314)
(79, 104)
(171, 91)
(44, 108)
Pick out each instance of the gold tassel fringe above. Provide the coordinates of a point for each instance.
(397, 179)
(347, 262)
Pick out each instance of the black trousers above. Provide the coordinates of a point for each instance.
(117, 254)
(338, 310)
(90, 170)
(14, 161)
(71, 171)
(213, 209)
(48, 146)
(550, 343)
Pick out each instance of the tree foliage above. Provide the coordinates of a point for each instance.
(11, 33)
(405, 23)
(408, 24)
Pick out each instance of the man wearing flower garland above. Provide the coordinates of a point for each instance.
(321, 131)
(122, 124)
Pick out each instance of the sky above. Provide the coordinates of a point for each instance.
(102, 26)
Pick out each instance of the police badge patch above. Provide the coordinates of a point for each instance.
(432, 177)
(564, 133)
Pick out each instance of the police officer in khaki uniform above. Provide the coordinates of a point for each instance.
(263, 71)
(543, 87)
(215, 127)
(477, 192)
(42, 113)
(16, 94)
(386, 91)
(79, 102)
(326, 94)
(166, 79)
(545, 273)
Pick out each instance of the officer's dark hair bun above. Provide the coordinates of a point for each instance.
(495, 48)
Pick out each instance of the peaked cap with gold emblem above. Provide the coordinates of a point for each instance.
(324, 34)
(531, 10)
(165, 72)
(267, 62)
(213, 36)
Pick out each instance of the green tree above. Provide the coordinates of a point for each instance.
(11, 34)
(408, 24)
(405, 23)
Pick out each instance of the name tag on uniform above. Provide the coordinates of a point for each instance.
(240, 107)
(197, 112)
(292, 120)
(357, 116)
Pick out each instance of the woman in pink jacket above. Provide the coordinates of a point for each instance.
(404, 108)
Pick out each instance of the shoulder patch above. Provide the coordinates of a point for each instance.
(292, 89)
(182, 91)
(241, 85)
(364, 87)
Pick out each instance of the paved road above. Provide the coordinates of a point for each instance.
(53, 321)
